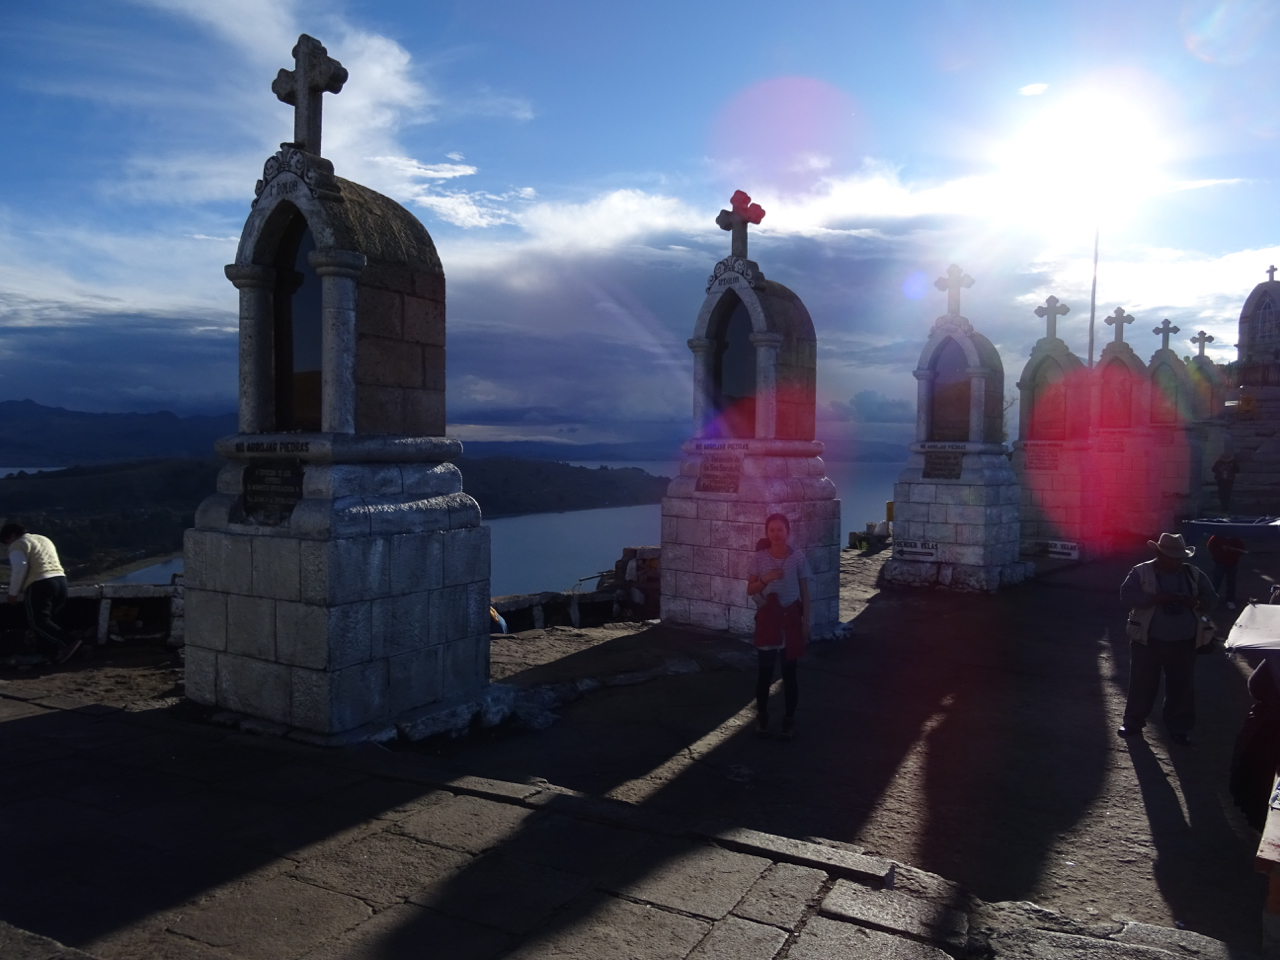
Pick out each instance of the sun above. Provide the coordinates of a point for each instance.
(1089, 159)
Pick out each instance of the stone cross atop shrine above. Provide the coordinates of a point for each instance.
(1164, 331)
(1118, 320)
(315, 73)
(1051, 311)
(1201, 340)
(1271, 273)
(736, 220)
(955, 280)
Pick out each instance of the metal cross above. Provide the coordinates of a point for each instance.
(315, 74)
(1118, 320)
(1271, 273)
(736, 220)
(1202, 340)
(1164, 330)
(952, 283)
(1051, 311)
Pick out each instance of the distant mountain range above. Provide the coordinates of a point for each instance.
(32, 434)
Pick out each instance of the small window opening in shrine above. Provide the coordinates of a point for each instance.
(1049, 402)
(734, 371)
(298, 338)
(1268, 320)
(1164, 396)
(1117, 395)
(949, 419)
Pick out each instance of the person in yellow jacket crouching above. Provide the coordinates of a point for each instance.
(37, 580)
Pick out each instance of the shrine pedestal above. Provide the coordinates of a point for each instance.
(1060, 517)
(343, 600)
(956, 519)
(714, 514)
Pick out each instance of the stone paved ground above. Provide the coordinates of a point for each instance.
(143, 835)
(971, 736)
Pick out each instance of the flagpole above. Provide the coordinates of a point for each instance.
(1093, 294)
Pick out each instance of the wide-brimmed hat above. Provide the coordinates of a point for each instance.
(1172, 545)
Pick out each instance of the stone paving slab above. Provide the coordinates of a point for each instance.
(705, 881)
(896, 913)
(263, 849)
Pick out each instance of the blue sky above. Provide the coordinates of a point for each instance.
(569, 158)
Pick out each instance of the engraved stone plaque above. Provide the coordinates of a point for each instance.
(1043, 456)
(271, 490)
(942, 466)
(719, 473)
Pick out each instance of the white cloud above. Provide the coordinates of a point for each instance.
(436, 171)
(1033, 89)
(455, 156)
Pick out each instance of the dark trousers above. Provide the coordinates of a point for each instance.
(1176, 660)
(764, 679)
(43, 599)
(1221, 573)
(1224, 496)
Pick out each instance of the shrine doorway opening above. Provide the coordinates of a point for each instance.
(733, 374)
(297, 330)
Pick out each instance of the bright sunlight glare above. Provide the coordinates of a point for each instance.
(1088, 159)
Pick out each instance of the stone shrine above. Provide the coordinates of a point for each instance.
(753, 451)
(957, 503)
(1180, 437)
(1052, 457)
(1255, 429)
(1127, 472)
(337, 584)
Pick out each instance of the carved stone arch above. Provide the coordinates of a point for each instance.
(1047, 418)
(1116, 403)
(729, 298)
(733, 368)
(949, 417)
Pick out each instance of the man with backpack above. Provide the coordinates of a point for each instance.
(1169, 598)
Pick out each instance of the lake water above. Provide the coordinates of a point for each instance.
(551, 551)
(10, 471)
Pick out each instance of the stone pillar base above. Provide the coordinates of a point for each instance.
(957, 576)
(709, 536)
(359, 608)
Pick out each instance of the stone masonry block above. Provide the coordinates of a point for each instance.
(330, 480)
(669, 582)
(424, 413)
(733, 536)
(694, 586)
(276, 571)
(742, 621)
(478, 609)
(678, 556)
(386, 276)
(430, 479)
(708, 615)
(302, 635)
(906, 512)
(748, 511)
(952, 494)
(206, 616)
(200, 674)
(713, 561)
(424, 321)
(360, 695)
(311, 700)
(695, 532)
(448, 614)
(346, 570)
(379, 312)
(460, 667)
(217, 561)
(739, 567)
(466, 555)
(401, 624)
(414, 680)
(938, 513)
(394, 515)
(384, 362)
(729, 591)
(713, 509)
(256, 687)
(417, 562)
(674, 609)
(231, 478)
(966, 514)
(433, 367)
(673, 507)
(939, 532)
(251, 626)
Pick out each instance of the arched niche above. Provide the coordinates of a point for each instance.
(1048, 419)
(949, 416)
(733, 373)
(1116, 402)
(780, 402)
(342, 319)
(1165, 395)
(960, 386)
(297, 331)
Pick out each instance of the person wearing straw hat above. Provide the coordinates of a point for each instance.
(1168, 597)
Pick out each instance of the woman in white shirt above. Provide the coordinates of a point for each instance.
(779, 580)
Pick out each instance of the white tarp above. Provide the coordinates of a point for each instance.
(1257, 628)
